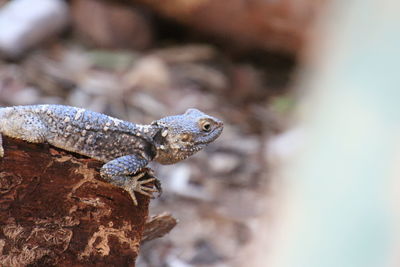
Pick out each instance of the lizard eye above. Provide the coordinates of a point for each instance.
(206, 126)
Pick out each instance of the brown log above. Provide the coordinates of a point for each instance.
(280, 25)
(56, 210)
(158, 226)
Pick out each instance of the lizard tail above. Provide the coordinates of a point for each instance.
(4, 113)
(2, 121)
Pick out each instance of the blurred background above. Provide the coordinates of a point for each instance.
(141, 60)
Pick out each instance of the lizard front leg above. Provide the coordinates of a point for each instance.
(124, 172)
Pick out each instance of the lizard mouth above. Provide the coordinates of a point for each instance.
(193, 149)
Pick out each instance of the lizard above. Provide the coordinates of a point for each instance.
(124, 147)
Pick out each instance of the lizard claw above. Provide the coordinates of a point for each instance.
(156, 182)
(141, 186)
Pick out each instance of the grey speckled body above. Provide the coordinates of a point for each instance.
(125, 147)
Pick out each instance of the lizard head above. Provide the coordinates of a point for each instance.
(183, 135)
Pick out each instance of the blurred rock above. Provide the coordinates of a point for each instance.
(194, 65)
(26, 96)
(79, 98)
(112, 60)
(148, 72)
(179, 183)
(284, 146)
(174, 261)
(187, 53)
(25, 23)
(224, 163)
(206, 254)
(48, 74)
(247, 84)
(111, 25)
(280, 25)
(101, 83)
(147, 103)
(13, 86)
(199, 75)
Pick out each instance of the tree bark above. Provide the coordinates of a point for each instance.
(56, 210)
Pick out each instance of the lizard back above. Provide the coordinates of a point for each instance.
(82, 131)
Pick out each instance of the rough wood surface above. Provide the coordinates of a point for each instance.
(158, 226)
(56, 210)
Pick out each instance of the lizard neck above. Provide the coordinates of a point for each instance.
(168, 148)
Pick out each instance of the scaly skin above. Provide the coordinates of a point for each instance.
(125, 147)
